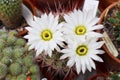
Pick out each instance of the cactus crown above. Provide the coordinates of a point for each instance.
(11, 12)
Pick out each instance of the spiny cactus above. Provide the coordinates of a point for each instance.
(21, 77)
(3, 70)
(11, 12)
(15, 69)
(16, 62)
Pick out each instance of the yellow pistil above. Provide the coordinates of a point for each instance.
(80, 30)
(82, 50)
(46, 35)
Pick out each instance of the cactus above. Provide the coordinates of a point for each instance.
(16, 62)
(15, 69)
(34, 69)
(8, 77)
(2, 44)
(20, 42)
(11, 13)
(28, 61)
(5, 60)
(11, 40)
(21, 77)
(7, 52)
(3, 70)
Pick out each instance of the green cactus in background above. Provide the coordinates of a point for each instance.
(3, 70)
(16, 62)
(11, 13)
(5, 60)
(34, 69)
(21, 77)
(8, 77)
(15, 69)
(28, 61)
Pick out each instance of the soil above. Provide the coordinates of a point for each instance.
(112, 26)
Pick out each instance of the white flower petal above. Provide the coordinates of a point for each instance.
(96, 58)
(78, 67)
(92, 64)
(70, 62)
(27, 14)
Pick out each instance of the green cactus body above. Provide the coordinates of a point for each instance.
(12, 33)
(24, 69)
(2, 44)
(34, 77)
(3, 70)
(5, 60)
(11, 40)
(11, 12)
(8, 77)
(17, 52)
(20, 42)
(2, 32)
(13, 78)
(1, 56)
(28, 61)
(7, 52)
(15, 69)
(21, 77)
(34, 69)
(19, 61)
(4, 37)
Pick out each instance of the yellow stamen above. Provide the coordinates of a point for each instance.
(46, 35)
(80, 30)
(81, 50)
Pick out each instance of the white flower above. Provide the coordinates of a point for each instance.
(45, 34)
(81, 25)
(82, 54)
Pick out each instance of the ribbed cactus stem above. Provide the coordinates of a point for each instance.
(11, 13)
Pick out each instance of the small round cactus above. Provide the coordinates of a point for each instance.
(34, 69)
(4, 37)
(3, 70)
(33, 77)
(21, 77)
(7, 52)
(8, 77)
(5, 60)
(17, 53)
(20, 42)
(11, 40)
(15, 69)
(24, 69)
(2, 32)
(13, 78)
(28, 61)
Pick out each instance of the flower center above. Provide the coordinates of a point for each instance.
(46, 35)
(82, 50)
(80, 30)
